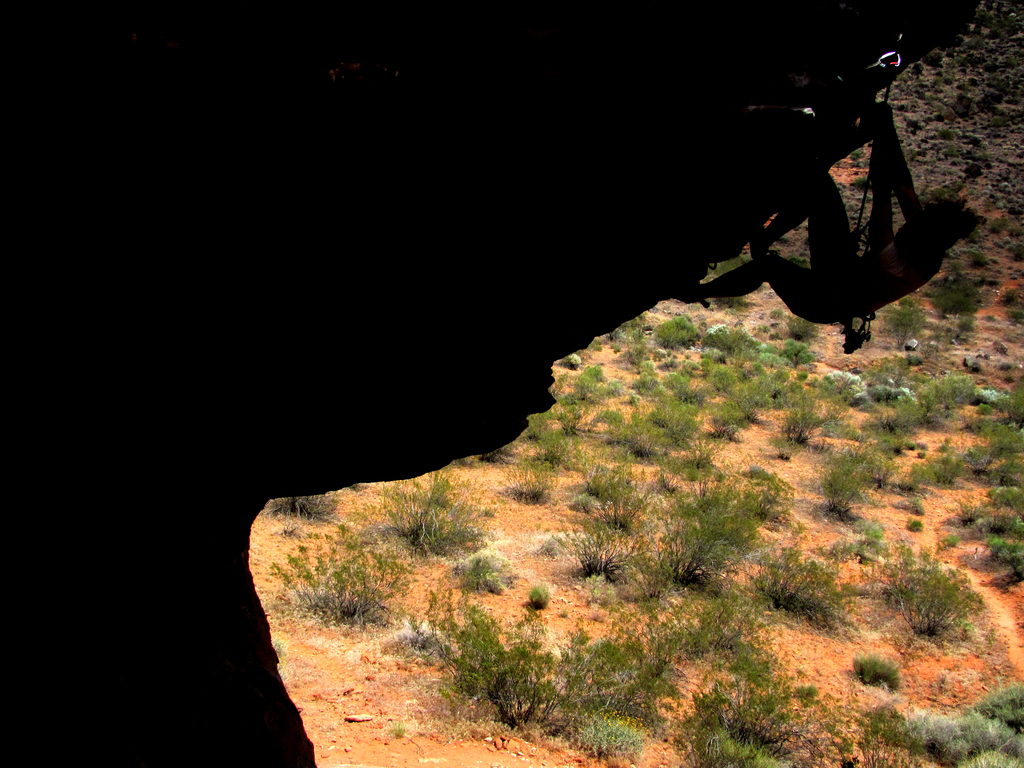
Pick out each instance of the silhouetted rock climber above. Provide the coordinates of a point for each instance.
(841, 285)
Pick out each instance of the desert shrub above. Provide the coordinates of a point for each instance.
(513, 673)
(903, 418)
(903, 320)
(1005, 705)
(726, 420)
(1010, 553)
(842, 484)
(677, 332)
(755, 717)
(676, 420)
(731, 341)
(587, 386)
(530, 482)
(419, 637)
(719, 627)
(554, 447)
(878, 468)
(618, 502)
(638, 436)
(802, 419)
(751, 398)
(647, 382)
(931, 598)
(952, 739)
(704, 536)
(600, 591)
(540, 597)
(1008, 497)
(318, 508)
(847, 386)
(940, 397)
(610, 736)
(766, 495)
(525, 683)
(955, 294)
(797, 353)
(991, 760)
(600, 550)
(875, 670)
(342, 580)
(946, 468)
(572, 361)
(1013, 406)
(885, 740)
(429, 515)
(681, 388)
(804, 587)
(571, 414)
(866, 548)
(914, 525)
(485, 571)
(800, 329)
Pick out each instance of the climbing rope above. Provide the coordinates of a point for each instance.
(886, 60)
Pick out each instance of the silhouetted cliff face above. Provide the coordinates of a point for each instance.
(354, 280)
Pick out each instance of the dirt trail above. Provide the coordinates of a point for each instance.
(1004, 606)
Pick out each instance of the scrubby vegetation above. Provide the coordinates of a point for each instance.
(340, 579)
(709, 486)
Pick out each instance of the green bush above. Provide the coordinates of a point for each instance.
(726, 420)
(681, 388)
(719, 627)
(903, 320)
(638, 436)
(875, 670)
(955, 294)
(610, 736)
(430, 517)
(842, 484)
(617, 501)
(800, 329)
(953, 739)
(524, 682)
(885, 740)
(731, 341)
(530, 482)
(991, 760)
(343, 580)
(797, 353)
(317, 508)
(931, 598)
(677, 332)
(1005, 705)
(676, 420)
(587, 387)
(704, 536)
(540, 597)
(802, 419)
(914, 525)
(485, 571)
(766, 495)
(754, 716)
(600, 550)
(572, 361)
(847, 386)
(1009, 552)
(804, 587)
